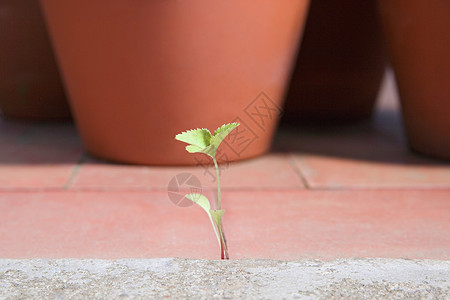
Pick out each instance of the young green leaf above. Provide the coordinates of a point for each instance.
(197, 137)
(221, 133)
(201, 140)
(203, 202)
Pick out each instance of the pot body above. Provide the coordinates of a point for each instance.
(30, 85)
(418, 34)
(340, 64)
(139, 73)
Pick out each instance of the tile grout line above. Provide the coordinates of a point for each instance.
(75, 171)
(298, 171)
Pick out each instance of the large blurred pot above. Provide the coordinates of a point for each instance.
(418, 35)
(30, 85)
(139, 72)
(340, 64)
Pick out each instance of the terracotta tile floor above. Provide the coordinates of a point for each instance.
(342, 191)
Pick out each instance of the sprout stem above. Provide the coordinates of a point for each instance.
(223, 241)
(219, 200)
(225, 247)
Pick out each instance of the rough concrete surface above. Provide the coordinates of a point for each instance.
(237, 279)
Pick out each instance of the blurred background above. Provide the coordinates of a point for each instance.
(133, 76)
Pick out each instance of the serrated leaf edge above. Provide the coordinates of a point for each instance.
(221, 133)
(179, 136)
(225, 125)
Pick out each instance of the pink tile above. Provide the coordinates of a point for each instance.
(41, 155)
(259, 224)
(100, 224)
(331, 224)
(324, 172)
(34, 177)
(100, 175)
(360, 157)
(271, 171)
(36, 166)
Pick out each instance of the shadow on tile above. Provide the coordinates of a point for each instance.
(33, 143)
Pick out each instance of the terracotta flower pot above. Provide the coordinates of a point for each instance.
(140, 72)
(418, 34)
(340, 64)
(30, 85)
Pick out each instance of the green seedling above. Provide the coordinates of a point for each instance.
(202, 141)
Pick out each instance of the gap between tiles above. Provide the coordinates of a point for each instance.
(75, 171)
(297, 170)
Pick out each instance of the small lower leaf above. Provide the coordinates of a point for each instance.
(203, 202)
